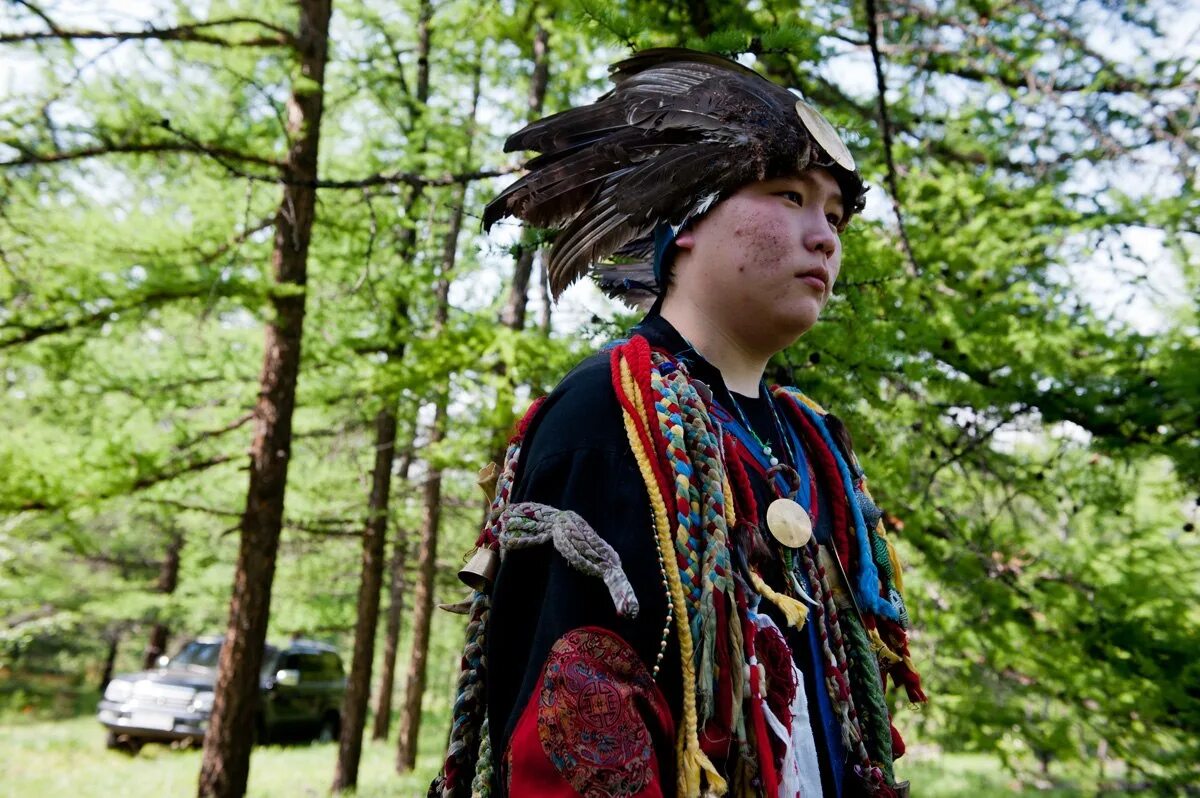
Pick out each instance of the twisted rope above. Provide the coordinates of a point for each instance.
(529, 524)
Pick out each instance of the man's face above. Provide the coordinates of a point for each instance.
(761, 265)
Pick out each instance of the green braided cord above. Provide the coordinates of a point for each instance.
(864, 673)
(481, 785)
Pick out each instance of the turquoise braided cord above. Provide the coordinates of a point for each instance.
(687, 543)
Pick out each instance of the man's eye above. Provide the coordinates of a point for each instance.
(793, 196)
(834, 219)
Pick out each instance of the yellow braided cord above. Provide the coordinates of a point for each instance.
(794, 611)
(691, 760)
(797, 395)
(730, 515)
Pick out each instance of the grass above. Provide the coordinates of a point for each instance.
(68, 758)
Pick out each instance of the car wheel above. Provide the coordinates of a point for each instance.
(123, 743)
(330, 728)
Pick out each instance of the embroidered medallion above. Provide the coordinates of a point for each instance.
(588, 721)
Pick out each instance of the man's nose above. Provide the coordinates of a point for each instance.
(819, 235)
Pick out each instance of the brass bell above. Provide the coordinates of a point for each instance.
(480, 570)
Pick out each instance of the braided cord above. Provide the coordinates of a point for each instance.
(470, 709)
(701, 441)
(836, 664)
(692, 761)
(687, 517)
(864, 672)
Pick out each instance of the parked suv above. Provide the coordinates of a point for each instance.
(300, 696)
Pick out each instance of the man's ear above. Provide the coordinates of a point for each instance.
(686, 239)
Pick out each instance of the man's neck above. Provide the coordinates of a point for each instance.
(741, 369)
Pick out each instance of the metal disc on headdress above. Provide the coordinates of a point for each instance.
(789, 523)
(824, 134)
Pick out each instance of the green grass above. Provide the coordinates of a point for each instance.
(68, 758)
(972, 775)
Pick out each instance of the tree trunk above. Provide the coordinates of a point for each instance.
(358, 685)
(226, 764)
(410, 717)
(110, 661)
(513, 315)
(396, 590)
(547, 300)
(168, 579)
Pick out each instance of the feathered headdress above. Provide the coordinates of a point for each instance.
(680, 131)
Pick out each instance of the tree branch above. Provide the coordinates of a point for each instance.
(886, 129)
(30, 157)
(192, 33)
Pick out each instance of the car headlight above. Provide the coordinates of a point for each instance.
(118, 690)
(203, 702)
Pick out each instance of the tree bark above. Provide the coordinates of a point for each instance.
(226, 764)
(358, 685)
(410, 717)
(513, 315)
(396, 590)
(110, 661)
(168, 579)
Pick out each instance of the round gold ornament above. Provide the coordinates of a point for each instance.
(789, 523)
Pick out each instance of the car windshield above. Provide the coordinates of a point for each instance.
(197, 656)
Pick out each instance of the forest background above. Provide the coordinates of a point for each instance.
(1013, 343)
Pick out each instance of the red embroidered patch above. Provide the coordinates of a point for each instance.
(588, 719)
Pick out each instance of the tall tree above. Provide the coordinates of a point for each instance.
(168, 580)
(423, 590)
(397, 588)
(226, 763)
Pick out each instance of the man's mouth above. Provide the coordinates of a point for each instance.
(818, 278)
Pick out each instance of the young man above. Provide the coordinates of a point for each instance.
(695, 595)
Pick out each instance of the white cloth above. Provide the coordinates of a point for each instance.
(800, 774)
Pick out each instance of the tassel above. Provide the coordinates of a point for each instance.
(881, 648)
(794, 611)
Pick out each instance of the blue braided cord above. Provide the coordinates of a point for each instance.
(867, 587)
(673, 428)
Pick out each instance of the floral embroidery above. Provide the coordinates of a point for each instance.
(588, 719)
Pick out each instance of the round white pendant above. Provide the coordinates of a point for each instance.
(824, 134)
(789, 523)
